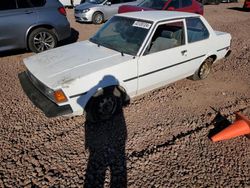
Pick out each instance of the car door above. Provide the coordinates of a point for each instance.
(166, 57)
(16, 16)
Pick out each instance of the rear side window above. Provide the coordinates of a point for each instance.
(7, 4)
(175, 4)
(23, 4)
(186, 3)
(38, 3)
(196, 30)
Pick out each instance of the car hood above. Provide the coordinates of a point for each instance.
(87, 5)
(61, 66)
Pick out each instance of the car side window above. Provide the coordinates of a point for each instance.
(38, 3)
(186, 3)
(196, 30)
(115, 1)
(126, 1)
(23, 4)
(175, 4)
(167, 36)
(7, 5)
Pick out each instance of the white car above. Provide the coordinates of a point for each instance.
(131, 54)
(71, 3)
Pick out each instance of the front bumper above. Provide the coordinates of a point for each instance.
(49, 108)
(83, 17)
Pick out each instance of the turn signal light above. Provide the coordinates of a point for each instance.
(59, 96)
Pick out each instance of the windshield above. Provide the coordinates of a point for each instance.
(153, 4)
(124, 35)
(95, 1)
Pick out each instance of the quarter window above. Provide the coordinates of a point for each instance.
(196, 30)
(167, 36)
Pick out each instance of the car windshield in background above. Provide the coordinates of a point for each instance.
(124, 35)
(154, 4)
(95, 1)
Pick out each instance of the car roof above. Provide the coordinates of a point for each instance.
(159, 15)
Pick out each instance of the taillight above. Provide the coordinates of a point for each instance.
(62, 11)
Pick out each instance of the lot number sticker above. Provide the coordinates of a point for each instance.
(143, 25)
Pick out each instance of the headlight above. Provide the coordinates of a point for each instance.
(57, 96)
(85, 10)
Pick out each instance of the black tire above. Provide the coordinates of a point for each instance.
(217, 2)
(98, 18)
(204, 2)
(41, 39)
(72, 3)
(203, 70)
(104, 105)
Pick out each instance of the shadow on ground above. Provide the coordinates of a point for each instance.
(239, 9)
(105, 142)
(220, 122)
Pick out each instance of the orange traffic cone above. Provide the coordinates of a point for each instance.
(240, 127)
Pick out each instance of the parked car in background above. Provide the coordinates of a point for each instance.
(33, 24)
(177, 5)
(205, 2)
(131, 54)
(71, 3)
(229, 1)
(246, 4)
(97, 11)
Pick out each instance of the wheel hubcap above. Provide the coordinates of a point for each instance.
(98, 18)
(204, 71)
(44, 41)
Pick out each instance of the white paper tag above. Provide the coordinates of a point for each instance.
(143, 25)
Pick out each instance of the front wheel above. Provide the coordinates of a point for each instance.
(98, 18)
(41, 39)
(105, 105)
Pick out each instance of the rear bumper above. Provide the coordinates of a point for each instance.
(49, 108)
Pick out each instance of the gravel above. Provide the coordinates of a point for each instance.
(160, 140)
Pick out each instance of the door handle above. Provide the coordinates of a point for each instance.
(184, 52)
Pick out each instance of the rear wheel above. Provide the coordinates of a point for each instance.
(41, 39)
(203, 70)
(98, 18)
(104, 105)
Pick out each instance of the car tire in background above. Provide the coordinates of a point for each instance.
(98, 18)
(203, 70)
(42, 39)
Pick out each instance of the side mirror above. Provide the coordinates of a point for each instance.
(108, 3)
(171, 8)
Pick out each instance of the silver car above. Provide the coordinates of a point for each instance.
(97, 11)
(33, 24)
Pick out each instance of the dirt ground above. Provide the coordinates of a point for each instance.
(160, 140)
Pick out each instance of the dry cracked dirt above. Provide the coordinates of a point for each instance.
(160, 140)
